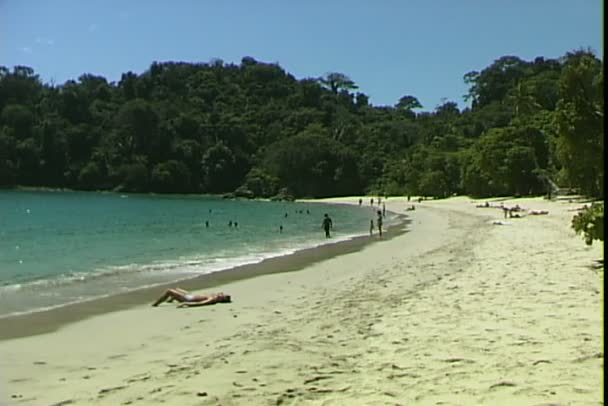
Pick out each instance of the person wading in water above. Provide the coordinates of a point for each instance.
(327, 225)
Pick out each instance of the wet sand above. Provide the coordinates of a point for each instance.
(51, 320)
(466, 308)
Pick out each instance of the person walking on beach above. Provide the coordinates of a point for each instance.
(379, 222)
(371, 227)
(327, 225)
(187, 299)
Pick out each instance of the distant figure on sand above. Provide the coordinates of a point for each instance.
(379, 222)
(538, 212)
(327, 225)
(371, 227)
(187, 299)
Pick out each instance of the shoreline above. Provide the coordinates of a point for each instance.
(464, 308)
(49, 320)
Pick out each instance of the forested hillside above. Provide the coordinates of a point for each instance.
(254, 130)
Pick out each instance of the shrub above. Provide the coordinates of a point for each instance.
(590, 223)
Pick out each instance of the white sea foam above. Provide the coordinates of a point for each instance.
(147, 241)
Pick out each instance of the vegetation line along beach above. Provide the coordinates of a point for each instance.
(254, 130)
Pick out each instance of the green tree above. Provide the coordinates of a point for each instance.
(170, 177)
(590, 223)
(494, 82)
(90, 176)
(259, 183)
(138, 127)
(335, 82)
(21, 86)
(18, 121)
(580, 123)
(433, 184)
(219, 169)
(408, 103)
(509, 159)
(27, 155)
(323, 165)
(8, 170)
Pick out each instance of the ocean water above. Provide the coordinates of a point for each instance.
(64, 247)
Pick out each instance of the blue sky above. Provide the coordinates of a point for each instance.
(389, 48)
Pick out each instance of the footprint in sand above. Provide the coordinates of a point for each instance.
(106, 391)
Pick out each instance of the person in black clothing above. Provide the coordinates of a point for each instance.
(379, 223)
(327, 225)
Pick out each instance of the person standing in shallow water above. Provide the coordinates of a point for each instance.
(327, 225)
(379, 222)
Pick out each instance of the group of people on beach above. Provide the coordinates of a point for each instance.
(187, 299)
(513, 212)
(379, 217)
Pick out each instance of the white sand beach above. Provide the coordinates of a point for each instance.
(467, 308)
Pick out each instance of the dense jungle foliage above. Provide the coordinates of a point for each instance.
(254, 130)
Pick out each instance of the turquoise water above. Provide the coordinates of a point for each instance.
(64, 247)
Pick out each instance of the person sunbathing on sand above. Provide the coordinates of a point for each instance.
(187, 299)
(538, 212)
